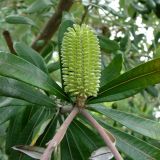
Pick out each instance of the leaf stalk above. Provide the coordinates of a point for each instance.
(103, 134)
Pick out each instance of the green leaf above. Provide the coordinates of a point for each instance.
(125, 43)
(143, 126)
(108, 45)
(32, 151)
(112, 11)
(15, 19)
(16, 89)
(112, 71)
(8, 112)
(30, 55)
(115, 97)
(79, 142)
(132, 146)
(40, 128)
(7, 101)
(141, 8)
(48, 50)
(49, 132)
(136, 79)
(35, 122)
(24, 131)
(39, 5)
(102, 153)
(137, 39)
(152, 91)
(14, 129)
(17, 68)
(53, 67)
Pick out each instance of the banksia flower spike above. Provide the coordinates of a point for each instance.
(81, 66)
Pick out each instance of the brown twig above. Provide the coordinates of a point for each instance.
(52, 25)
(9, 41)
(103, 134)
(59, 135)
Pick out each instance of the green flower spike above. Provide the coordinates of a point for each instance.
(81, 61)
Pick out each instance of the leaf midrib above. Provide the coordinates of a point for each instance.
(139, 150)
(124, 123)
(29, 83)
(78, 148)
(33, 95)
(128, 81)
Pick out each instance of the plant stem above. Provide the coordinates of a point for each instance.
(103, 134)
(59, 135)
(9, 41)
(52, 25)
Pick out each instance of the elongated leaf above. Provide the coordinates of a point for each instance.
(53, 67)
(143, 126)
(14, 129)
(7, 101)
(136, 79)
(30, 55)
(34, 152)
(33, 125)
(39, 5)
(50, 130)
(16, 89)
(16, 19)
(103, 153)
(112, 71)
(79, 142)
(141, 8)
(112, 11)
(125, 43)
(48, 50)
(17, 68)
(8, 112)
(39, 130)
(26, 131)
(151, 4)
(107, 44)
(116, 97)
(152, 91)
(132, 146)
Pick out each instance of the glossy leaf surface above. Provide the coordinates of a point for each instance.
(15, 19)
(17, 68)
(141, 125)
(30, 55)
(17, 89)
(136, 79)
(112, 71)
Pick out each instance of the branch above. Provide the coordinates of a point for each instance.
(59, 135)
(52, 25)
(9, 41)
(103, 134)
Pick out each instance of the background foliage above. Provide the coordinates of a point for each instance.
(129, 35)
